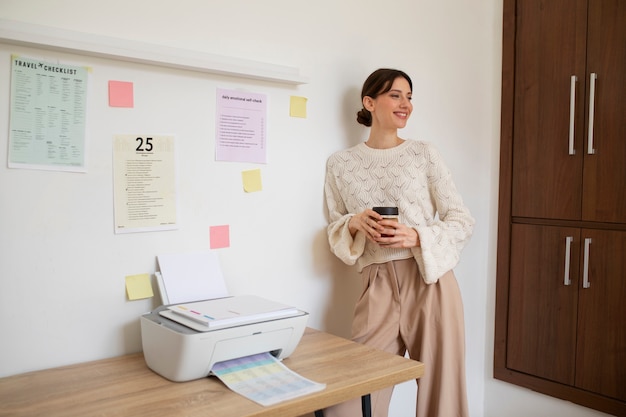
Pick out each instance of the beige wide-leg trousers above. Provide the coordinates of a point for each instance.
(398, 312)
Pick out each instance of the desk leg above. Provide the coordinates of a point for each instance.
(366, 405)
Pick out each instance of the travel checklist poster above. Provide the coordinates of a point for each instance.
(144, 172)
(241, 127)
(48, 113)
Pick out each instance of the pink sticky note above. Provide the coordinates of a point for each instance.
(121, 94)
(219, 236)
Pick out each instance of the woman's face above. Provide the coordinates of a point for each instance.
(391, 110)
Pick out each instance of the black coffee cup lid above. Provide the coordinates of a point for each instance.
(386, 211)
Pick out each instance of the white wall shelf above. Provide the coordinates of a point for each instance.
(56, 39)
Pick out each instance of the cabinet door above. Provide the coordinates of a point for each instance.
(542, 305)
(549, 50)
(604, 192)
(601, 357)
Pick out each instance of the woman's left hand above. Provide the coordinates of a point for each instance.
(397, 235)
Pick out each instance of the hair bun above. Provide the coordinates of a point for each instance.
(364, 117)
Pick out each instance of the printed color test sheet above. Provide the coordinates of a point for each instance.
(264, 379)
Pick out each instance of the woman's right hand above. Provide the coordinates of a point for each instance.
(366, 222)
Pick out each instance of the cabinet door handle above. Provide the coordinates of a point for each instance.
(586, 283)
(572, 112)
(592, 104)
(568, 248)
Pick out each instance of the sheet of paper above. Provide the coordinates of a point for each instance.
(251, 180)
(228, 311)
(297, 106)
(47, 116)
(144, 174)
(241, 127)
(264, 379)
(121, 94)
(219, 236)
(192, 276)
(139, 286)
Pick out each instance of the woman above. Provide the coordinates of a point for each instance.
(410, 300)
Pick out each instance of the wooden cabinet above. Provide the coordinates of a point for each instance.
(570, 110)
(566, 309)
(561, 273)
(547, 54)
(541, 336)
(604, 167)
(601, 342)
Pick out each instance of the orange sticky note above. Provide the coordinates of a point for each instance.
(121, 94)
(219, 236)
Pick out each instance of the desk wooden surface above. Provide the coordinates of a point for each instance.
(125, 386)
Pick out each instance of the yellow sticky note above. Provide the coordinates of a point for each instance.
(139, 286)
(297, 106)
(251, 180)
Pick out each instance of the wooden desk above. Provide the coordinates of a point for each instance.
(125, 386)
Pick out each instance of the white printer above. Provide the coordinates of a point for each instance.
(182, 342)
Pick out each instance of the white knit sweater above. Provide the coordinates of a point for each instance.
(411, 176)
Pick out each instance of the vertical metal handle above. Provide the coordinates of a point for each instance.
(568, 248)
(586, 283)
(572, 112)
(592, 104)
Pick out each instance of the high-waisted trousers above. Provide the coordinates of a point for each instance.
(398, 312)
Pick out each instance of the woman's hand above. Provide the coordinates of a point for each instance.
(397, 235)
(384, 232)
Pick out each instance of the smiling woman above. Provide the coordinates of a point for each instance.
(391, 107)
(406, 263)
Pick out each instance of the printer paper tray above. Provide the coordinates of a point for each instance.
(202, 328)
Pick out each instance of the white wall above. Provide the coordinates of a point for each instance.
(61, 260)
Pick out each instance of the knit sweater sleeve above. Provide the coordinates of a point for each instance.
(342, 243)
(443, 236)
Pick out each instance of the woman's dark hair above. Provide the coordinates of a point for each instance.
(379, 82)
